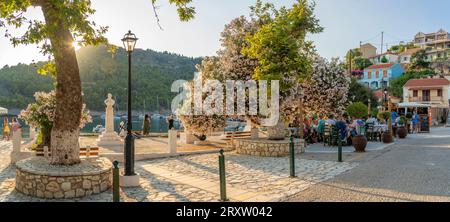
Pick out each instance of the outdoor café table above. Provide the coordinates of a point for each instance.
(380, 128)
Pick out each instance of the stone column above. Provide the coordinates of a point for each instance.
(188, 138)
(255, 133)
(173, 134)
(17, 140)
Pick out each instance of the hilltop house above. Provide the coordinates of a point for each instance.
(377, 76)
(368, 50)
(431, 91)
(405, 57)
(390, 56)
(436, 45)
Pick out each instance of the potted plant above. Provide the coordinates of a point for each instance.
(358, 110)
(401, 131)
(384, 118)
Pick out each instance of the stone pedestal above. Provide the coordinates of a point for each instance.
(277, 132)
(17, 154)
(255, 134)
(173, 136)
(188, 138)
(109, 139)
(129, 181)
(17, 140)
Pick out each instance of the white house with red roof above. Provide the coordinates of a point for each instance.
(378, 76)
(390, 56)
(431, 91)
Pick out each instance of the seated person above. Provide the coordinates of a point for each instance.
(331, 120)
(372, 120)
(342, 127)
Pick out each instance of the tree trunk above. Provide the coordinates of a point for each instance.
(64, 137)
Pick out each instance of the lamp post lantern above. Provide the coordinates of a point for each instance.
(129, 42)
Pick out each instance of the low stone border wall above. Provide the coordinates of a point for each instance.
(36, 177)
(268, 148)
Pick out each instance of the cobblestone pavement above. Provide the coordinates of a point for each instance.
(195, 178)
(415, 169)
(159, 145)
(320, 148)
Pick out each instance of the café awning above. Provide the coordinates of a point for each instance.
(413, 105)
(3, 111)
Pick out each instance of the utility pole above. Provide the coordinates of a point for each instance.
(382, 42)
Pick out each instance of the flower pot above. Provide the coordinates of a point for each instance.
(201, 137)
(387, 137)
(402, 132)
(359, 143)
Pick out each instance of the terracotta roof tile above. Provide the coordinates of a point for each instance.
(381, 66)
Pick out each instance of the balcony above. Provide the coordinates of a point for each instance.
(427, 99)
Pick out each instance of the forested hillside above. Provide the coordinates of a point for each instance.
(102, 73)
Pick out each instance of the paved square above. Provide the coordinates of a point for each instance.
(195, 179)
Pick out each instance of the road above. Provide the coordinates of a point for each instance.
(416, 169)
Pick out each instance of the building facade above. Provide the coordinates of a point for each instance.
(436, 45)
(368, 50)
(378, 76)
(432, 91)
(378, 59)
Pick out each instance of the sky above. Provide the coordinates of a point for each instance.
(346, 23)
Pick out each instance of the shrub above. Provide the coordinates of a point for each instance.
(384, 116)
(358, 110)
(409, 116)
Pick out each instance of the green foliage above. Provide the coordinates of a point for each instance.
(396, 87)
(409, 116)
(384, 60)
(401, 48)
(362, 63)
(280, 46)
(358, 110)
(384, 116)
(402, 120)
(19, 83)
(419, 61)
(102, 73)
(361, 93)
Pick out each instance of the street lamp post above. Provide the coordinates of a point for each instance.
(129, 42)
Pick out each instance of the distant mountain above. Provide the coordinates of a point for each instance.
(102, 73)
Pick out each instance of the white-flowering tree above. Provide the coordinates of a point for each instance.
(326, 92)
(204, 122)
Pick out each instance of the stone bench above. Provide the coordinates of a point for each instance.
(229, 137)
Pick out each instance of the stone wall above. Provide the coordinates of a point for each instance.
(35, 177)
(268, 148)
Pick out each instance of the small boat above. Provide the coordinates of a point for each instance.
(98, 129)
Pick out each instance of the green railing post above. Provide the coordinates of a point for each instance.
(340, 150)
(116, 191)
(223, 185)
(292, 156)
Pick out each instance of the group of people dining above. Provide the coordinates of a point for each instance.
(348, 127)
